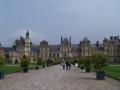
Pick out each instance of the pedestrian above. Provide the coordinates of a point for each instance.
(67, 64)
(63, 64)
(76, 65)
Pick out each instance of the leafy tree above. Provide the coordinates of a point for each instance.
(16, 44)
(87, 64)
(49, 62)
(43, 63)
(2, 61)
(99, 61)
(25, 63)
(39, 61)
(16, 61)
(81, 61)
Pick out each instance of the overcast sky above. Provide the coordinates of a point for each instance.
(50, 19)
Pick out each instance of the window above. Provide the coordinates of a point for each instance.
(50, 55)
(58, 55)
(45, 54)
(53, 54)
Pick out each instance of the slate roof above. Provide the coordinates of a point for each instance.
(35, 48)
(8, 49)
(75, 47)
(54, 48)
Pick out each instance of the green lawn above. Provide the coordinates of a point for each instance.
(8, 69)
(11, 69)
(113, 71)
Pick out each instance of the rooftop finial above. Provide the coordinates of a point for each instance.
(27, 33)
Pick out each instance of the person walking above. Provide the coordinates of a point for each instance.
(63, 64)
(67, 64)
(76, 65)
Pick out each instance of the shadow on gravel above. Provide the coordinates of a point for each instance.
(88, 78)
(83, 78)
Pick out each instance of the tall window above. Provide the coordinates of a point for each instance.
(58, 55)
(53, 54)
(50, 55)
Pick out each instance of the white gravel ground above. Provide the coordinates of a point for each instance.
(54, 78)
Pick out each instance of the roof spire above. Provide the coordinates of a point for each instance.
(27, 33)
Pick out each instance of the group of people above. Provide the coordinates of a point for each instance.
(66, 64)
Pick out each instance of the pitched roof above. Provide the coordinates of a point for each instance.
(54, 48)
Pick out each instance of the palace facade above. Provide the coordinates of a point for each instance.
(109, 47)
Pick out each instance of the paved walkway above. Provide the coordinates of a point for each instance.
(54, 78)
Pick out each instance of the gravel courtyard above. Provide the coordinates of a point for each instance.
(54, 78)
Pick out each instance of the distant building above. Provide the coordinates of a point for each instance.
(112, 48)
(2, 52)
(23, 48)
(65, 49)
(85, 48)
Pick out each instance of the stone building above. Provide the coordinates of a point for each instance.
(2, 53)
(27, 46)
(85, 48)
(112, 48)
(23, 48)
(65, 49)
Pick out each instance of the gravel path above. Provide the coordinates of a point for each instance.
(54, 78)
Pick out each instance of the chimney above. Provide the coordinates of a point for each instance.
(61, 39)
(70, 40)
(97, 44)
(0, 44)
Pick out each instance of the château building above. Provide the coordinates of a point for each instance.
(22, 47)
(66, 49)
(63, 50)
(2, 52)
(112, 48)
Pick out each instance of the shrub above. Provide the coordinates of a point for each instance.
(39, 61)
(25, 63)
(2, 61)
(49, 62)
(87, 64)
(81, 62)
(99, 61)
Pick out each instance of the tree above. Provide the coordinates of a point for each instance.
(99, 62)
(81, 62)
(25, 64)
(2, 63)
(43, 63)
(16, 44)
(38, 62)
(87, 64)
(49, 62)
(16, 61)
